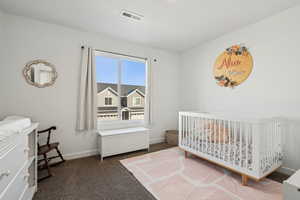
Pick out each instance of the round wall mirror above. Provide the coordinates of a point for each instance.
(40, 73)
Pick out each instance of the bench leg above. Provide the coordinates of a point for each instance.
(244, 180)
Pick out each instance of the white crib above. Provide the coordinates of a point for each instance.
(252, 148)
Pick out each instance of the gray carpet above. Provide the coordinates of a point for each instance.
(89, 179)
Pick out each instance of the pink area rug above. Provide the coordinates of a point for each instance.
(168, 175)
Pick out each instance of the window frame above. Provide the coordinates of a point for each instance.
(107, 124)
(134, 101)
(109, 101)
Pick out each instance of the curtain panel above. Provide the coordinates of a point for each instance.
(87, 110)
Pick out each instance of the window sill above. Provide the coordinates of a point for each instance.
(118, 124)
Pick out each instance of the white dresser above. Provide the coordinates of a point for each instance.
(291, 187)
(18, 164)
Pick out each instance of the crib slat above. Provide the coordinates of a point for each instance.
(206, 137)
(224, 140)
(190, 132)
(241, 140)
(191, 129)
(213, 126)
(247, 144)
(277, 139)
(211, 136)
(221, 138)
(214, 137)
(217, 139)
(234, 141)
(194, 133)
(229, 142)
(273, 141)
(268, 140)
(218, 134)
(181, 128)
(202, 133)
(276, 142)
(267, 144)
(184, 129)
(199, 133)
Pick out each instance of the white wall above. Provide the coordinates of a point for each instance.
(2, 42)
(29, 39)
(271, 90)
(1, 26)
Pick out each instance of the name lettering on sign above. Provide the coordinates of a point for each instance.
(233, 66)
(227, 62)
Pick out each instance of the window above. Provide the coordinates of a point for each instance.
(121, 84)
(137, 101)
(108, 101)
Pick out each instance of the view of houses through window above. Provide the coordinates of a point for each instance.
(121, 85)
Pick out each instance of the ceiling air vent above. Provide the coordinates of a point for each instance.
(131, 15)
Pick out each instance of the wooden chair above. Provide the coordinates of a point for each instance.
(43, 150)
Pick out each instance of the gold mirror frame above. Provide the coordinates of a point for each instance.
(27, 68)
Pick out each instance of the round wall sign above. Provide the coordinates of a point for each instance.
(233, 66)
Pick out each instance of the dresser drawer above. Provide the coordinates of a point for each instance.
(11, 162)
(16, 188)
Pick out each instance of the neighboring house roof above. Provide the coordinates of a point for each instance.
(136, 90)
(125, 89)
(110, 89)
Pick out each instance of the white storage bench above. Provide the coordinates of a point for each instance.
(117, 141)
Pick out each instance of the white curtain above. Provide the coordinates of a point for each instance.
(87, 111)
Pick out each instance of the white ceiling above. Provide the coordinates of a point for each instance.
(168, 24)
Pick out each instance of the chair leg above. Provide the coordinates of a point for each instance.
(60, 155)
(47, 164)
(46, 167)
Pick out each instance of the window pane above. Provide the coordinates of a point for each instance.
(133, 81)
(107, 85)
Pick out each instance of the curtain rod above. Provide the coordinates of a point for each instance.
(119, 54)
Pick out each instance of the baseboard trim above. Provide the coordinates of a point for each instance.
(286, 170)
(82, 154)
(93, 152)
(157, 140)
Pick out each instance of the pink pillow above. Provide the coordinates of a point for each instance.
(217, 134)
